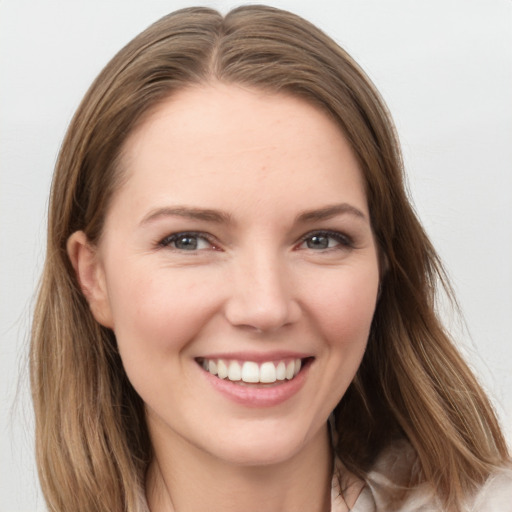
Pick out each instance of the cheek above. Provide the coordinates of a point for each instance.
(341, 306)
(344, 304)
(157, 316)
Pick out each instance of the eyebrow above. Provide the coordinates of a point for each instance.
(220, 217)
(329, 212)
(203, 214)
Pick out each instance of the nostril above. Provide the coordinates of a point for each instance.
(259, 320)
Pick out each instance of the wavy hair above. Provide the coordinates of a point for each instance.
(92, 443)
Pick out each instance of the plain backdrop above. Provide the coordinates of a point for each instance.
(443, 66)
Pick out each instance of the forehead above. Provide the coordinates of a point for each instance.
(223, 142)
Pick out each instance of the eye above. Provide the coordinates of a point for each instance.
(324, 240)
(187, 242)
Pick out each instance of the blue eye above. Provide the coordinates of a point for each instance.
(323, 240)
(186, 242)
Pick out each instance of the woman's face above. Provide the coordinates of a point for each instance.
(239, 244)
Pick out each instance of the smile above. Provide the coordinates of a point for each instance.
(251, 372)
(256, 380)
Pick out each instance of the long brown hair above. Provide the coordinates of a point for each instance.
(92, 443)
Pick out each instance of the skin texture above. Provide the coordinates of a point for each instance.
(262, 277)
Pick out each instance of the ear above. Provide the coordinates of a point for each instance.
(91, 276)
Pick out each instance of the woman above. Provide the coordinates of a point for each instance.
(238, 297)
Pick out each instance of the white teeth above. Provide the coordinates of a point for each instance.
(234, 371)
(251, 372)
(267, 373)
(290, 370)
(212, 367)
(281, 371)
(222, 369)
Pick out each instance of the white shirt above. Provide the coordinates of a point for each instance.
(494, 496)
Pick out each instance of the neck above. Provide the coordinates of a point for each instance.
(183, 478)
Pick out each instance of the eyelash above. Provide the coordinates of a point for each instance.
(343, 241)
(170, 239)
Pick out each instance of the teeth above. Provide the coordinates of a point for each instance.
(222, 369)
(251, 372)
(234, 371)
(290, 370)
(212, 367)
(267, 373)
(281, 371)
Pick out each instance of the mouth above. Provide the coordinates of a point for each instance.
(252, 373)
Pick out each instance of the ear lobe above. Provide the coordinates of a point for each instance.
(91, 276)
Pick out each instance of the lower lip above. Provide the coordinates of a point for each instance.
(254, 396)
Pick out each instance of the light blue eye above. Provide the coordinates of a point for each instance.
(186, 242)
(321, 241)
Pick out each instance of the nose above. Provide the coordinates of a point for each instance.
(261, 294)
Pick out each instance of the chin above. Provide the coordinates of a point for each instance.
(255, 447)
(254, 455)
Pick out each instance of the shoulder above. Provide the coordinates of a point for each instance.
(388, 485)
(393, 482)
(496, 494)
(391, 485)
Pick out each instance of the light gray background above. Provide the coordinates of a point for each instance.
(445, 70)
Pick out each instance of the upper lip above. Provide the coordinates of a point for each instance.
(257, 357)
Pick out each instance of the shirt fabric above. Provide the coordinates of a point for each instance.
(494, 496)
